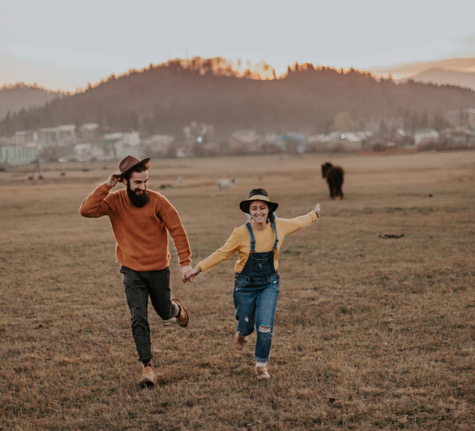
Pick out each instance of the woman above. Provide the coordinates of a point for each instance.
(256, 285)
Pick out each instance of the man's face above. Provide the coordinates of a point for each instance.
(137, 189)
(138, 182)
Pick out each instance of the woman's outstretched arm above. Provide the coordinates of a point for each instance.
(219, 256)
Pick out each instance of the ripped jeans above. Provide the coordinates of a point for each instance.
(255, 299)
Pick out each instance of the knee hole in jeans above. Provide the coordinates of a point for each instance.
(264, 329)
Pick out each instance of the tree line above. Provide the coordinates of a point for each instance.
(165, 97)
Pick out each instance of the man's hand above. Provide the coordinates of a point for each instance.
(191, 274)
(112, 180)
(317, 210)
(184, 270)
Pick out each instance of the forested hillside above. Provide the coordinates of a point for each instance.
(164, 98)
(21, 96)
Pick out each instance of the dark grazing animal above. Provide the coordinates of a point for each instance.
(334, 176)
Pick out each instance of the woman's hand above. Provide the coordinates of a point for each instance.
(191, 274)
(317, 210)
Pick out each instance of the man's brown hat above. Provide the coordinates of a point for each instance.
(129, 163)
(258, 195)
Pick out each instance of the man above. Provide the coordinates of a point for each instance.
(141, 220)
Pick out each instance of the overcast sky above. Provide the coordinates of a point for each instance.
(64, 44)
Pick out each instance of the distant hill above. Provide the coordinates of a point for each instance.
(164, 98)
(408, 70)
(14, 98)
(447, 77)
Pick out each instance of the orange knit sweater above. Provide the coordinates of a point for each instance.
(141, 233)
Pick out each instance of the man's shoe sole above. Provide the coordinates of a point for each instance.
(147, 383)
(186, 320)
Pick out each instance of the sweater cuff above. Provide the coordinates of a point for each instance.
(185, 262)
(200, 266)
(313, 214)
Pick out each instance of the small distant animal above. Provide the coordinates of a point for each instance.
(334, 176)
(179, 180)
(226, 184)
(387, 235)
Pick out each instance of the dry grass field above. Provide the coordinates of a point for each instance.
(370, 333)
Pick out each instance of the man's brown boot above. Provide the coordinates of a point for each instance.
(183, 317)
(239, 341)
(149, 379)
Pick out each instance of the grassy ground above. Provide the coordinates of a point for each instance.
(370, 333)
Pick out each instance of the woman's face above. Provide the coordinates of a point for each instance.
(259, 211)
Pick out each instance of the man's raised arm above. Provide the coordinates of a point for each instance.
(94, 206)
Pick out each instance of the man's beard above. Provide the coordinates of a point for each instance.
(136, 200)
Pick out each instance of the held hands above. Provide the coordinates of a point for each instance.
(184, 270)
(191, 274)
(317, 210)
(112, 180)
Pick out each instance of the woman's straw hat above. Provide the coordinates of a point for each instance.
(258, 195)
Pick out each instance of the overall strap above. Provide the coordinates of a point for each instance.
(275, 232)
(253, 240)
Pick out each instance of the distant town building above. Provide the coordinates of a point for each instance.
(159, 144)
(18, 154)
(461, 117)
(82, 152)
(89, 131)
(425, 136)
(351, 142)
(198, 133)
(245, 141)
(121, 144)
(23, 137)
(292, 142)
(57, 136)
(458, 138)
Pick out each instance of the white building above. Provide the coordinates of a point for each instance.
(24, 136)
(425, 136)
(461, 117)
(159, 143)
(198, 133)
(131, 139)
(351, 142)
(119, 145)
(247, 141)
(82, 152)
(57, 136)
(18, 154)
(88, 131)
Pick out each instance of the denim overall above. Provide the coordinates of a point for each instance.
(256, 290)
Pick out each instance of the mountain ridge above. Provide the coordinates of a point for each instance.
(16, 97)
(441, 76)
(166, 97)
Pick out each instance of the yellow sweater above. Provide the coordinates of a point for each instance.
(141, 233)
(240, 241)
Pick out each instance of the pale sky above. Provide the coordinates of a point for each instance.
(64, 44)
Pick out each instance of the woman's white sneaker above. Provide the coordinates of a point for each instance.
(262, 373)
